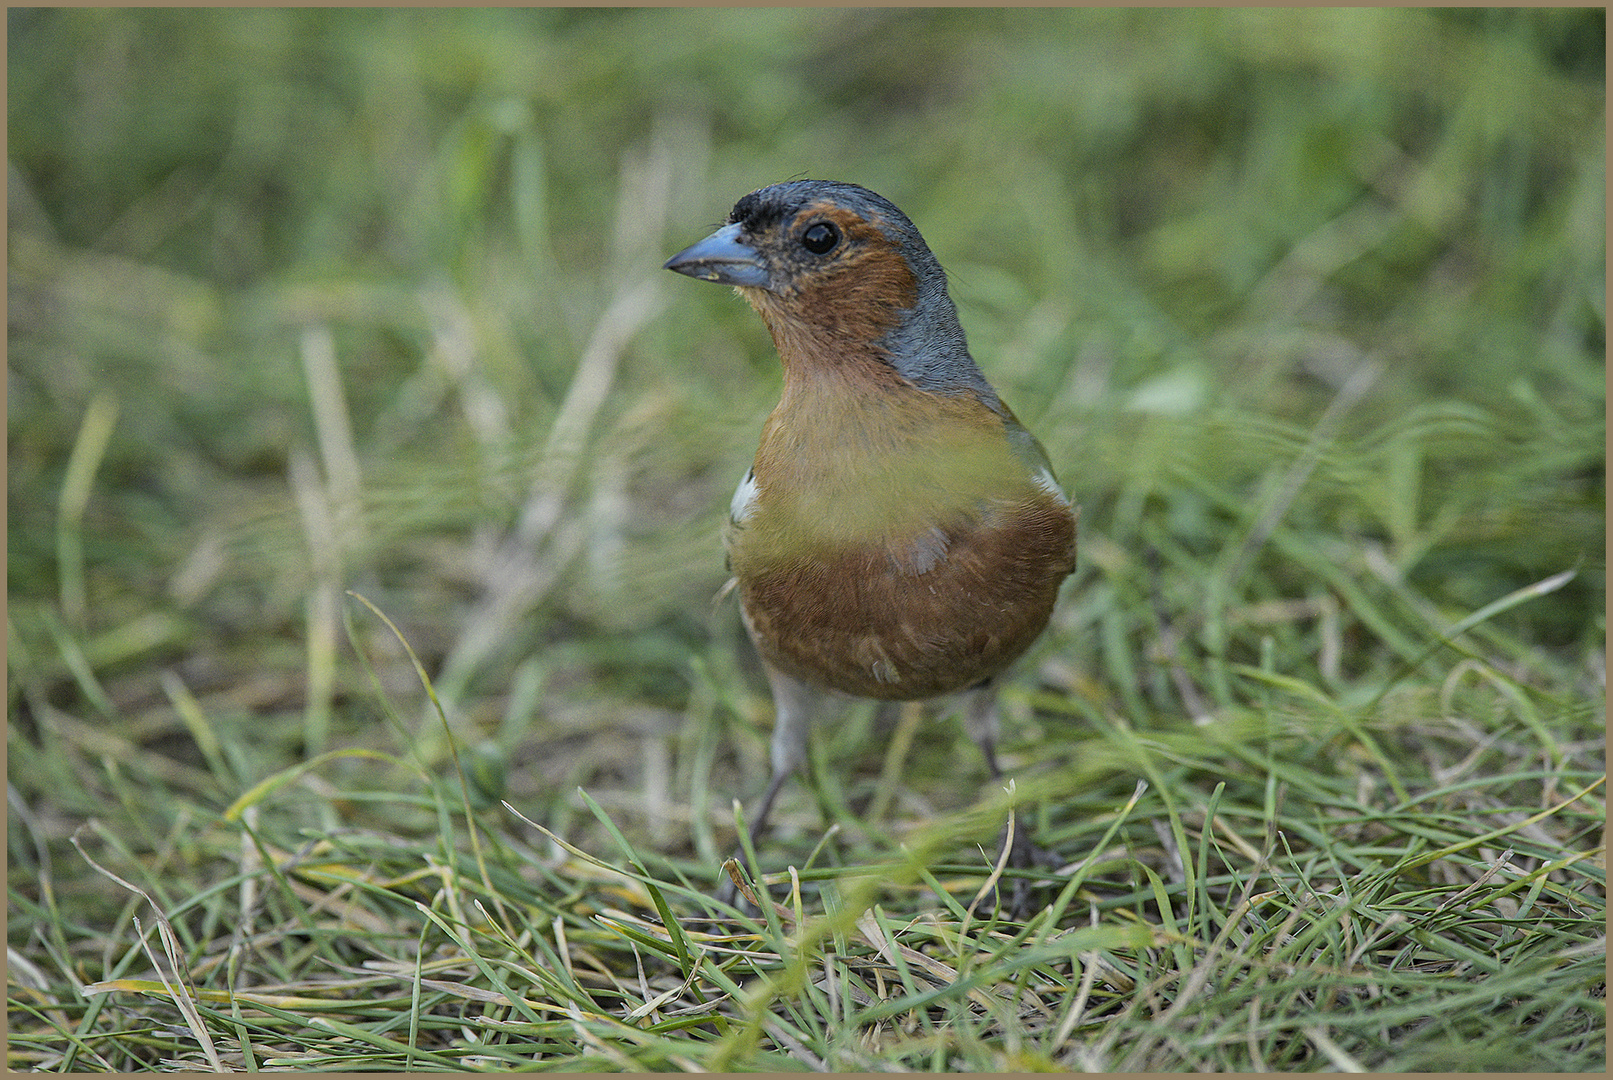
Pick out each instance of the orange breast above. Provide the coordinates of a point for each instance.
(897, 547)
(861, 621)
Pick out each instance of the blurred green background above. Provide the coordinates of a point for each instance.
(1306, 305)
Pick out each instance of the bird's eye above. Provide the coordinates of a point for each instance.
(820, 238)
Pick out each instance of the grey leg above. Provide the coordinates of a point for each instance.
(984, 726)
(793, 703)
(981, 721)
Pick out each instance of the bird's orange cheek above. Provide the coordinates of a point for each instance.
(844, 307)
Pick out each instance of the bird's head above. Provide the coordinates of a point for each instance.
(840, 275)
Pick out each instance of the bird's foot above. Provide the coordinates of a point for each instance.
(1016, 851)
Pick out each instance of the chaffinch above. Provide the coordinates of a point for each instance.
(900, 536)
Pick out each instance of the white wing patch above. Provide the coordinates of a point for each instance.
(1044, 480)
(744, 498)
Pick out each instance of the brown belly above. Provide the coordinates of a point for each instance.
(866, 623)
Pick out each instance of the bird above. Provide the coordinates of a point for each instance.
(900, 535)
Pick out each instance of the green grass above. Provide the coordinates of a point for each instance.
(311, 306)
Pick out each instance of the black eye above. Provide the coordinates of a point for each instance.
(820, 238)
